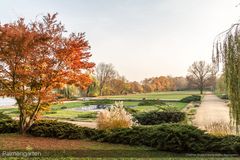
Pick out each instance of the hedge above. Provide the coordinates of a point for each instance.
(156, 117)
(151, 103)
(165, 137)
(8, 126)
(192, 98)
(62, 130)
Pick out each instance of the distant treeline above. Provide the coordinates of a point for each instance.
(107, 81)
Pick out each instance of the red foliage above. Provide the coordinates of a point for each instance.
(35, 58)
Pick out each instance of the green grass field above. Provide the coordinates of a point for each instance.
(156, 95)
(65, 110)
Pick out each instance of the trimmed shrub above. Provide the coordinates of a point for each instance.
(88, 115)
(223, 96)
(4, 116)
(165, 137)
(61, 130)
(151, 103)
(192, 98)
(8, 126)
(63, 107)
(156, 117)
(174, 138)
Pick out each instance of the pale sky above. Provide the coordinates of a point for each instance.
(141, 38)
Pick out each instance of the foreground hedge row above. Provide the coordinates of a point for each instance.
(165, 137)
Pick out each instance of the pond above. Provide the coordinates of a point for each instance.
(6, 101)
(94, 107)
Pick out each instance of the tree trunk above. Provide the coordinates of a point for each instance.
(25, 122)
(101, 91)
(201, 90)
(22, 124)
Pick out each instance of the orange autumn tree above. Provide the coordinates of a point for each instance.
(37, 57)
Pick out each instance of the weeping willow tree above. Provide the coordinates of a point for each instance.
(226, 50)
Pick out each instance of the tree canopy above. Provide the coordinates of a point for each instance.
(35, 58)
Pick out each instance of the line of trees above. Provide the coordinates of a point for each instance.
(107, 81)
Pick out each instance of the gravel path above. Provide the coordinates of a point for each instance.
(82, 124)
(212, 109)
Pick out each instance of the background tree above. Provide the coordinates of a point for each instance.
(199, 74)
(180, 83)
(93, 89)
(118, 86)
(227, 50)
(135, 87)
(221, 85)
(104, 74)
(35, 58)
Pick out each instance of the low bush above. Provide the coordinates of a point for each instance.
(4, 116)
(151, 103)
(174, 138)
(61, 130)
(98, 102)
(63, 107)
(164, 137)
(8, 126)
(156, 117)
(50, 112)
(130, 110)
(88, 115)
(223, 96)
(192, 98)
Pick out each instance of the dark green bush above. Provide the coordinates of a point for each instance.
(165, 137)
(174, 138)
(192, 98)
(88, 115)
(61, 130)
(98, 102)
(63, 107)
(8, 126)
(4, 116)
(224, 96)
(130, 110)
(156, 117)
(151, 103)
(50, 112)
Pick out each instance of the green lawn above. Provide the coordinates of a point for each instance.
(178, 105)
(64, 111)
(156, 95)
(73, 115)
(68, 113)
